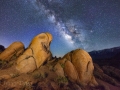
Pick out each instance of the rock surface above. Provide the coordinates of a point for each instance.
(71, 71)
(46, 78)
(13, 51)
(106, 75)
(82, 66)
(36, 54)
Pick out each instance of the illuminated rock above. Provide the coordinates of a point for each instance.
(12, 52)
(79, 67)
(36, 54)
(71, 71)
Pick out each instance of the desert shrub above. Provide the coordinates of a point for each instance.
(3, 64)
(14, 75)
(62, 65)
(40, 75)
(61, 80)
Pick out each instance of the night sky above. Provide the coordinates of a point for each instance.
(86, 24)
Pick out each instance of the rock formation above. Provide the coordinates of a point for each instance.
(79, 67)
(13, 51)
(2, 48)
(105, 75)
(112, 71)
(36, 69)
(36, 54)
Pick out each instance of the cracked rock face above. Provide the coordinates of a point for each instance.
(79, 67)
(36, 54)
(13, 51)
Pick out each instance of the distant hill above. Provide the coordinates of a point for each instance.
(109, 57)
(105, 53)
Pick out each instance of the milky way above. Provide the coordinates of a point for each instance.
(71, 31)
(86, 24)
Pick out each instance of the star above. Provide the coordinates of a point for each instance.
(88, 24)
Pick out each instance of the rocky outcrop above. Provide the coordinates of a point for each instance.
(13, 51)
(112, 72)
(79, 67)
(2, 48)
(97, 68)
(36, 54)
(36, 69)
(107, 74)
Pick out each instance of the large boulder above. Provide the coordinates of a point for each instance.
(13, 51)
(36, 54)
(79, 68)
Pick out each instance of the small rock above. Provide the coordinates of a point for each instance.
(59, 70)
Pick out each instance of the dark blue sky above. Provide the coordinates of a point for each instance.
(86, 24)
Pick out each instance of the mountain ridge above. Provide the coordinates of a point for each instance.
(105, 53)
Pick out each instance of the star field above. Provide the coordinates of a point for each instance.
(86, 24)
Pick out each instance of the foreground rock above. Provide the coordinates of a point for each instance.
(107, 77)
(50, 76)
(36, 54)
(13, 51)
(79, 67)
(112, 72)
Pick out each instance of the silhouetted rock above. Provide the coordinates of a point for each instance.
(2, 48)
